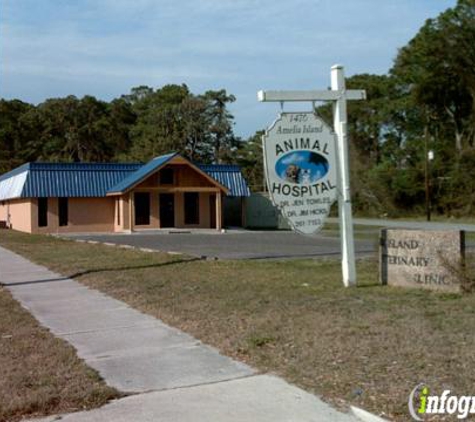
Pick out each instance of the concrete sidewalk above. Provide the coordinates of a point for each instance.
(177, 377)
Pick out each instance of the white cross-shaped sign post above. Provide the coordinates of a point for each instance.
(338, 95)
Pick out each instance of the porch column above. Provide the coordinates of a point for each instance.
(219, 215)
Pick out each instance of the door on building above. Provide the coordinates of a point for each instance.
(212, 211)
(142, 208)
(192, 208)
(167, 210)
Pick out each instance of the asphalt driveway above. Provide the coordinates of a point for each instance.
(234, 244)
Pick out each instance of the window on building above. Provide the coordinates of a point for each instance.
(42, 212)
(142, 208)
(167, 176)
(192, 208)
(63, 212)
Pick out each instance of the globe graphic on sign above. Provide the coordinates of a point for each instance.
(302, 167)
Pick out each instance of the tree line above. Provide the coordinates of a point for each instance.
(136, 126)
(425, 103)
(418, 121)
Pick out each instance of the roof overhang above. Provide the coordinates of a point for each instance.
(12, 187)
(153, 167)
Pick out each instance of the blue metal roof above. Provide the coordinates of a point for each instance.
(229, 176)
(141, 174)
(74, 180)
(34, 180)
(63, 179)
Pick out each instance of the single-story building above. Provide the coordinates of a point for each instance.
(168, 191)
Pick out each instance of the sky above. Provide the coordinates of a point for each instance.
(55, 48)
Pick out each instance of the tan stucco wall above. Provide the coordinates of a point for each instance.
(189, 177)
(101, 214)
(184, 176)
(20, 214)
(121, 208)
(97, 214)
(52, 226)
(204, 211)
(179, 214)
(154, 210)
(3, 211)
(123, 204)
(117, 212)
(85, 215)
(205, 218)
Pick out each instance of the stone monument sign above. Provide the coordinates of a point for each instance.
(422, 258)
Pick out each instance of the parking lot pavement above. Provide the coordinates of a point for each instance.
(234, 245)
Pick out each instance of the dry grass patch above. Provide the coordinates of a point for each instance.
(368, 346)
(41, 374)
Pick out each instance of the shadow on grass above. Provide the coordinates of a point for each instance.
(98, 270)
(371, 284)
(133, 267)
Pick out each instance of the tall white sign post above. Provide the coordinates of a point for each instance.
(338, 95)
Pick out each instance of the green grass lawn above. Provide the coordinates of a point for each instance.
(360, 231)
(40, 374)
(368, 346)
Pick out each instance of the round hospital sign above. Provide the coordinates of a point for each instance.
(300, 167)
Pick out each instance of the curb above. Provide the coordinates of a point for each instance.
(138, 248)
